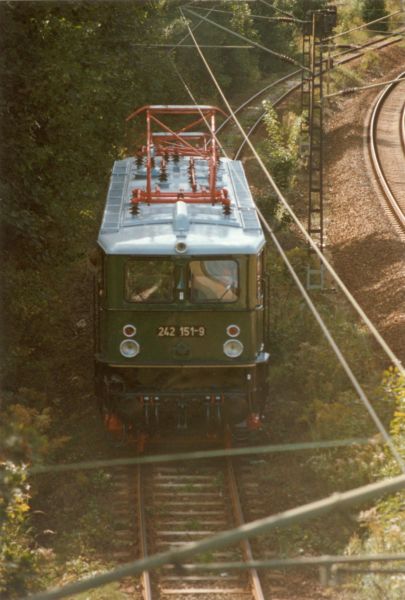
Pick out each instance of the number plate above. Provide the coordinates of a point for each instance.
(181, 331)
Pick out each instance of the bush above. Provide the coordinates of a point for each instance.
(23, 439)
(280, 151)
(372, 10)
(384, 524)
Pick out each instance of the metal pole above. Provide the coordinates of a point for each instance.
(315, 167)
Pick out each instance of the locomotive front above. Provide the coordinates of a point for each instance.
(180, 306)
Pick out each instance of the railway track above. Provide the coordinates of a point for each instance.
(280, 90)
(182, 503)
(387, 147)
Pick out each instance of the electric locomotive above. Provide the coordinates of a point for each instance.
(180, 288)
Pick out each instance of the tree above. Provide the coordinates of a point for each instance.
(372, 10)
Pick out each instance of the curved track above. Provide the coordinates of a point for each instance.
(339, 58)
(387, 146)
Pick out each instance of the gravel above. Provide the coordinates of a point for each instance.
(367, 249)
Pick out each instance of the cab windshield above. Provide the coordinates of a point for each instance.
(149, 281)
(213, 281)
(200, 281)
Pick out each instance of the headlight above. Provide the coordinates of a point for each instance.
(129, 330)
(233, 348)
(129, 348)
(233, 330)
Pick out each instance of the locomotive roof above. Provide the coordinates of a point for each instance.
(156, 229)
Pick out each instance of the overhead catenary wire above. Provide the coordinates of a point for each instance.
(325, 330)
(281, 11)
(256, 95)
(398, 32)
(353, 90)
(195, 27)
(174, 46)
(302, 289)
(281, 98)
(63, 593)
(263, 17)
(303, 561)
(306, 235)
(300, 514)
(353, 379)
(333, 37)
(269, 86)
(282, 57)
(200, 455)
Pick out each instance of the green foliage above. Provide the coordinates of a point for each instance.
(372, 10)
(235, 69)
(23, 439)
(369, 63)
(303, 8)
(311, 391)
(349, 17)
(384, 524)
(280, 151)
(57, 123)
(344, 77)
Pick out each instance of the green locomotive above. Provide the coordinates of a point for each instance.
(180, 294)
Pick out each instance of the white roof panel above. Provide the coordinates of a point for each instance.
(204, 228)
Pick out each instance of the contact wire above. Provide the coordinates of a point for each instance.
(385, 435)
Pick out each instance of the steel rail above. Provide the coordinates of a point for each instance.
(356, 51)
(260, 119)
(301, 228)
(143, 542)
(297, 515)
(294, 88)
(257, 95)
(384, 40)
(177, 480)
(374, 153)
(240, 521)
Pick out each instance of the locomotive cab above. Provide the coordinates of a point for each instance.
(180, 294)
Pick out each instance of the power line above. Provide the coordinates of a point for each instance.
(291, 19)
(326, 332)
(259, 93)
(353, 90)
(282, 57)
(310, 241)
(302, 289)
(195, 27)
(304, 293)
(198, 455)
(283, 12)
(285, 519)
(173, 46)
(304, 561)
(333, 37)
